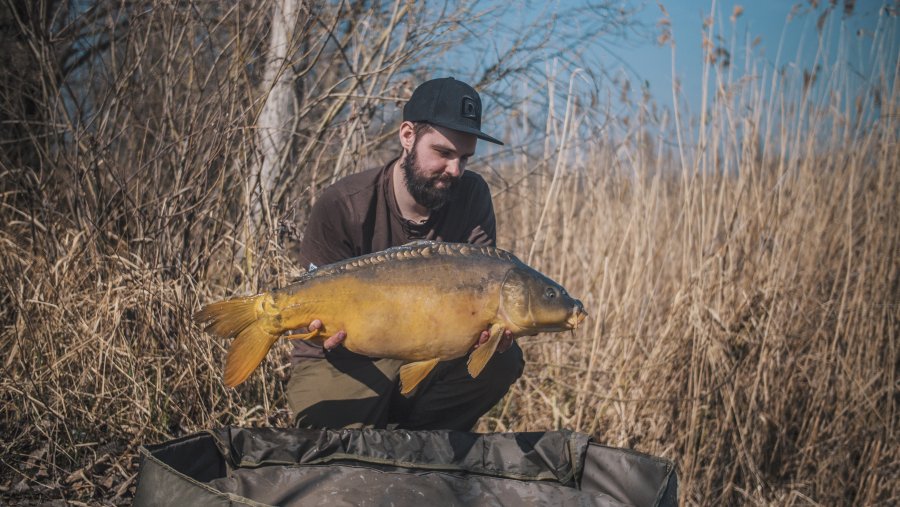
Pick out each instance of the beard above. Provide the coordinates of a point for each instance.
(422, 188)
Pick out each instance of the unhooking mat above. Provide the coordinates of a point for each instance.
(270, 466)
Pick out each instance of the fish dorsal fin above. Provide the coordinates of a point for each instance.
(409, 252)
(413, 373)
(418, 242)
(483, 354)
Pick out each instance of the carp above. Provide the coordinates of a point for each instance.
(423, 302)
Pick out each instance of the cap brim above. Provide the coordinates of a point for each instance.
(468, 130)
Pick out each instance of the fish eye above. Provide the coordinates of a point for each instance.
(549, 293)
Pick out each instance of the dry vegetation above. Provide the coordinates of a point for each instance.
(742, 282)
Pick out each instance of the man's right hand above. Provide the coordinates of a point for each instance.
(332, 341)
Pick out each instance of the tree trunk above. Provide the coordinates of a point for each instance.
(273, 126)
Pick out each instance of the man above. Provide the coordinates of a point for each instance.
(425, 193)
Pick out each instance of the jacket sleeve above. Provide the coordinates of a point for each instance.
(327, 238)
(483, 223)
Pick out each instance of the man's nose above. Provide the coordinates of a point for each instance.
(454, 167)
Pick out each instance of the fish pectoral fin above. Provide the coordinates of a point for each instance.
(483, 354)
(413, 373)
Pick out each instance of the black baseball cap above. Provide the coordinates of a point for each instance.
(448, 103)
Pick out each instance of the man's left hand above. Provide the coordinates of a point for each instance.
(506, 340)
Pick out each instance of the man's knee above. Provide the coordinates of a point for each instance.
(505, 369)
(344, 393)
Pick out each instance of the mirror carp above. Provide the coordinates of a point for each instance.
(423, 302)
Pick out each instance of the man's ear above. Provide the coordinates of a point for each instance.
(407, 135)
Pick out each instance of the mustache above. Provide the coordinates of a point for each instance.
(445, 178)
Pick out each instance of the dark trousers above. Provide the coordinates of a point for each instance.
(347, 390)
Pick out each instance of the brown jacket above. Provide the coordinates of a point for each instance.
(359, 215)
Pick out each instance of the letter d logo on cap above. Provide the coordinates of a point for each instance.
(469, 108)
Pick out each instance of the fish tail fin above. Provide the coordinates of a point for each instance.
(244, 319)
(226, 319)
(246, 352)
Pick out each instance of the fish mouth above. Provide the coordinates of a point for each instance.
(578, 315)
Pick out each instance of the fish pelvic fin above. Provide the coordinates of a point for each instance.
(411, 374)
(304, 336)
(479, 359)
(245, 319)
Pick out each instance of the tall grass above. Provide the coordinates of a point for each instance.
(744, 290)
(743, 285)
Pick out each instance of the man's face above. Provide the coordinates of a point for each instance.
(435, 162)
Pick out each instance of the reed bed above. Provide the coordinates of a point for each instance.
(743, 325)
(742, 282)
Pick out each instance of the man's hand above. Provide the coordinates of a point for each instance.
(332, 341)
(506, 340)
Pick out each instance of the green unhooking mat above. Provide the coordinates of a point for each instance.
(269, 466)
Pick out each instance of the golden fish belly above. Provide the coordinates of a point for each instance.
(407, 310)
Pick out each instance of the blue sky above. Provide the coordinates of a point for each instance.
(768, 20)
(845, 59)
(635, 55)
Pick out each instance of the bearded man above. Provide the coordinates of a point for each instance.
(425, 193)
